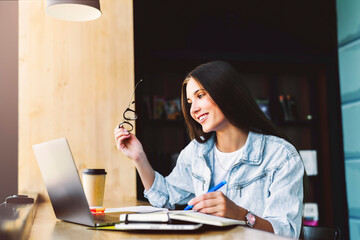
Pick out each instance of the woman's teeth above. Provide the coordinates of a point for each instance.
(201, 117)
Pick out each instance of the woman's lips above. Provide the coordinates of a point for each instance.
(202, 117)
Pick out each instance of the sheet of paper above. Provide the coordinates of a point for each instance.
(310, 161)
(198, 217)
(137, 209)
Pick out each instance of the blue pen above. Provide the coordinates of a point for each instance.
(213, 189)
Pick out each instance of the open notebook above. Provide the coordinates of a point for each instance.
(168, 217)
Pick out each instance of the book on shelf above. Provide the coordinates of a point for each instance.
(173, 109)
(310, 214)
(148, 106)
(264, 106)
(181, 215)
(290, 102)
(162, 108)
(159, 108)
(287, 104)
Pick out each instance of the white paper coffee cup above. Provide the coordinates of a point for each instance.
(94, 186)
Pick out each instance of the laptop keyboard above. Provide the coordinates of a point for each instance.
(106, 218)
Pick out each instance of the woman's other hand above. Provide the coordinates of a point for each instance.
(216, 203)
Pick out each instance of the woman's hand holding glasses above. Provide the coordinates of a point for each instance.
(131, 147)
(128, 144)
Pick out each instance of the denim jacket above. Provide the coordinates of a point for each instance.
(266, 180)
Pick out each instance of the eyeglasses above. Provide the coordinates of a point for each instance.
(129, 114)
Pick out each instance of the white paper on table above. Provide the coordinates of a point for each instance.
(310, 161)
(137, 209)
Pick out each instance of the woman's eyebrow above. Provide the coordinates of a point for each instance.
(196, 91)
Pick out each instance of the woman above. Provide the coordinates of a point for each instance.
(232, 140)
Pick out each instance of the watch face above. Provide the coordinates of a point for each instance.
(250, 217)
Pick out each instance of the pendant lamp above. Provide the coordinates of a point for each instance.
(73, 10)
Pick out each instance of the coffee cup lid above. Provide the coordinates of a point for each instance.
(94, 171)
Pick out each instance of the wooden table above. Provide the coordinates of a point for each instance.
(16, 217)
(46, 226)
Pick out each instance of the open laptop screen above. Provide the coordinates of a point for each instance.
(63, 182)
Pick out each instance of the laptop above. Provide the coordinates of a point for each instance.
(64, 187)
(67, 195)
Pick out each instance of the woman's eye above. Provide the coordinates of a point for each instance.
(201, 95)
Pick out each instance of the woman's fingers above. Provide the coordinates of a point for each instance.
(210, 195)
(120, 144)
(206, 203)
(120, 131)
(211, 203)
(209, 210)
(122, 139)
(120, 135)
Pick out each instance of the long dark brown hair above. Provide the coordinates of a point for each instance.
(227, 89)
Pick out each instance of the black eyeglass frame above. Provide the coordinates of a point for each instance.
(128, 109)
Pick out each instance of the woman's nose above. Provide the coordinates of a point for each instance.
(194, 108)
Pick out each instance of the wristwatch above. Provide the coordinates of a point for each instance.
(250, 219)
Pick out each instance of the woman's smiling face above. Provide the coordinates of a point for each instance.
(203, 109)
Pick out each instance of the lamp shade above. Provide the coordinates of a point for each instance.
(73, 10)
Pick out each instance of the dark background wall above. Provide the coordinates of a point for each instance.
(8, 98)
(277, 27)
